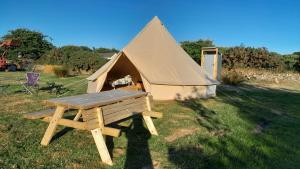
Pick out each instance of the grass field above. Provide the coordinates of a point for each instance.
(250, 126)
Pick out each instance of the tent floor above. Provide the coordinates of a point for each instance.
(125, 87)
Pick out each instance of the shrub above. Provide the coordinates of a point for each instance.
(61, 71)
(232, 78)
(193, 48)
(249, 57)
(50, 68)
(77, 58)
(52, 87)
(297, 64)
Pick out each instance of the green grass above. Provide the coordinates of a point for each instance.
(243, 127)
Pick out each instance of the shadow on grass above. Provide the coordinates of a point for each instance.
(63, 131)
(138, 153)
(272, 143)
(205, 117)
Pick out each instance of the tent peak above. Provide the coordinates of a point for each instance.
(155, 20)
(155, 17)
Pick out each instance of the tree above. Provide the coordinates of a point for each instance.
(75, 57)
(106, 50)
(241, 56)
(193, 48)
(297, 64)
(296, 53)
(32, 44)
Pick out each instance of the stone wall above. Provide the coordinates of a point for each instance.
(267, 75)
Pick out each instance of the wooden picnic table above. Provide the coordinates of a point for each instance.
(97, 110)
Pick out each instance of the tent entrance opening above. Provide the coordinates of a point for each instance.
(120, 73)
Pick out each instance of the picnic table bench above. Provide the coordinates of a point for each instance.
(97, 110)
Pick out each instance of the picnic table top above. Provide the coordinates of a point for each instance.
(91, 100)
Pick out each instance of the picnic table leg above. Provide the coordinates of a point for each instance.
(101, 146)
(52, 125)
(148, 120)
(78, 115)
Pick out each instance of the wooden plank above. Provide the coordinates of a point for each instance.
(89, 114)
(101, 146)
(121, 115)
(100, 117)
(90, 117)
(39, 114)
(135, 108)
(153, 114)
(78, 115)
(111, 131)
(91, 100)
(92, 124)
(89, 111)
(148, 103)
(148, 120)
(123, 103)
(202, 59)
(150, 125)
(85, 115)
(215, 68)
(69, 123)
(119, 107)
(112, 112)
(52, 125)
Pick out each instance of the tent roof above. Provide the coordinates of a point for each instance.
(106, 67)
(161, 60)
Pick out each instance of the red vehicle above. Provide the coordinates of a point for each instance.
(4, 65)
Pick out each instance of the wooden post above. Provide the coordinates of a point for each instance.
(52, 125)
(101, 146)
(215, 68)
(148, 120)
(99, 139)
(100, 117)
(202, 58)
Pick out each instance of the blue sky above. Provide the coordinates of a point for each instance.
(274, 24)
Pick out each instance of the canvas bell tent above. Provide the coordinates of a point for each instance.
(159, 64)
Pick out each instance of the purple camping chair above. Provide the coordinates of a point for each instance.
(32, 82)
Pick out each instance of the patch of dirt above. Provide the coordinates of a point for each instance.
(155, 165)
(117, 152)
(74, 166)
(179, 133)
(178, 117)
(261, 126)
(287, 87)
(218, 133)
(3, 134)
(183, 116)
(18, 102)
(157, 160)
(185, 109)
(59, 154)
(182, 151)
(172, 121)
